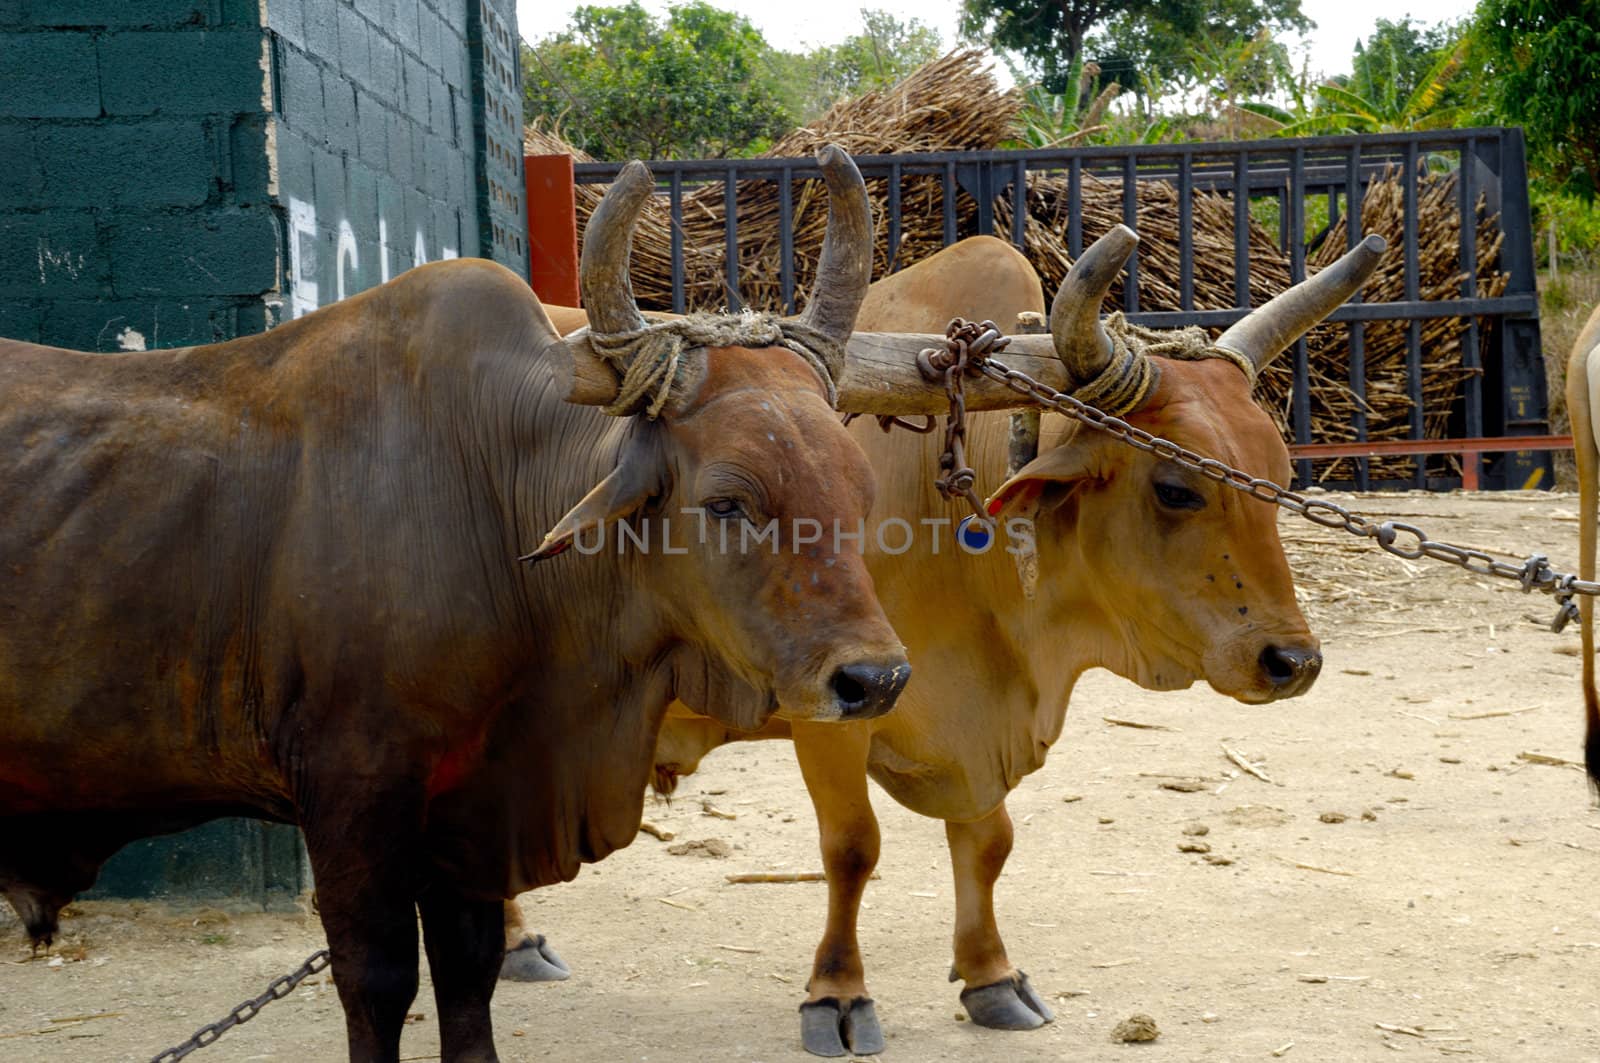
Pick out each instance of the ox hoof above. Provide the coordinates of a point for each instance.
(533, 961)
(1008, 1005)
(828, 1029)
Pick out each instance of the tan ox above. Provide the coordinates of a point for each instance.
(1583, 398)
(1154, 572)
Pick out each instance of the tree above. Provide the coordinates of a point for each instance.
(619, 84)
(885, 51)
(1389, 108)
(1542, 58)
(1051, 35)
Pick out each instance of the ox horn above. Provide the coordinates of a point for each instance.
(607, 247)
(1080, 340)
(845, 267)
(1263, 333)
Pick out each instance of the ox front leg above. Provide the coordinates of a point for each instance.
(365, 861)
(529, 957)
(465, 942)
(997, 995)
(838, 1017)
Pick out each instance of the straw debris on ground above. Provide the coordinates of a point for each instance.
(955, 104)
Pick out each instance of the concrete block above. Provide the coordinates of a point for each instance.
(295, 174)
(48, 75)
(55, 254)
(247, 154)
(111, 327)
(11, 16)
(21, 321)
(361, 206)
(385, 56)
(453, 63)
(202, 72)
(141, 164)
(454, 14)
(21, 178)
(121, 14)
(287, 18)
(339, 104)
(401, 163)
(220, 252)
(327, 169)
(378, 12)
(354, 32)
(439, 119)
(322, 30)
(415, 76)
(300, 88)
(405, 25)
(429, 32)
(372, 130)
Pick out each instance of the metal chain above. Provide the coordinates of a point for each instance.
(967, 344)
(1534, 573)
(280, 988)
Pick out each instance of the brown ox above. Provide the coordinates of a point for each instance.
(1583, 399)
(278, 577)
(1146, 569)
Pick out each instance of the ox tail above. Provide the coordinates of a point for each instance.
(1580, 406)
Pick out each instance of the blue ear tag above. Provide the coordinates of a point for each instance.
(974, 534)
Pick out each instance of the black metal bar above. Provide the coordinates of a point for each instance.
(1019, 205)
(1075, 209)
(894, 217)
(1419, 310)
(1292, 230)
(1333, 207)
(1130, 218)
(1186, 232)
(1241, 230)
(786, 239)
(1354, 196)
(730, 260)
(1471, 359)
(1408, 185)
(1375, 144)
(676, 213)
(949, 203)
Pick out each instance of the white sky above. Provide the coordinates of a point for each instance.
(796, 25)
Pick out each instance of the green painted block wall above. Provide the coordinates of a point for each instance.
(178, 172)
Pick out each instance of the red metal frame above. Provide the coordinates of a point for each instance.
(552, 229)
(1461, 447)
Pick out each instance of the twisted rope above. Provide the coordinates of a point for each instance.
(652, 361)
(1125, 383)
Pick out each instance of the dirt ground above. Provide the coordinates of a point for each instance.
(1450, 910)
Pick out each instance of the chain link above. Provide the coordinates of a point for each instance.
(967, 345)
(1392, 536)
(278, 989)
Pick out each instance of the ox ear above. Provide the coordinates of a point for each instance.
(635, 480)
(1067, 464)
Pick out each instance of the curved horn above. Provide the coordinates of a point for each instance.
(845, 268)
(1263, 333)
(607, 246)
(1080, 340)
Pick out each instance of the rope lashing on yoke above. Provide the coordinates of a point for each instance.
(653, 370)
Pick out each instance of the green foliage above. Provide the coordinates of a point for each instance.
(1342, 109)
(1542, 58)
(620, 84)
(884, 52)
(1576, 221)
(1138, 37)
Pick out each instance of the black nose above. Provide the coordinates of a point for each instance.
(864, 690)
(1291, 669)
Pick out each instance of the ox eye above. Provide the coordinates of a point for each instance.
(1177, 496)
(723, 508)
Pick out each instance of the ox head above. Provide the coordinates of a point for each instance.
(736, 478)
(1189, 574)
